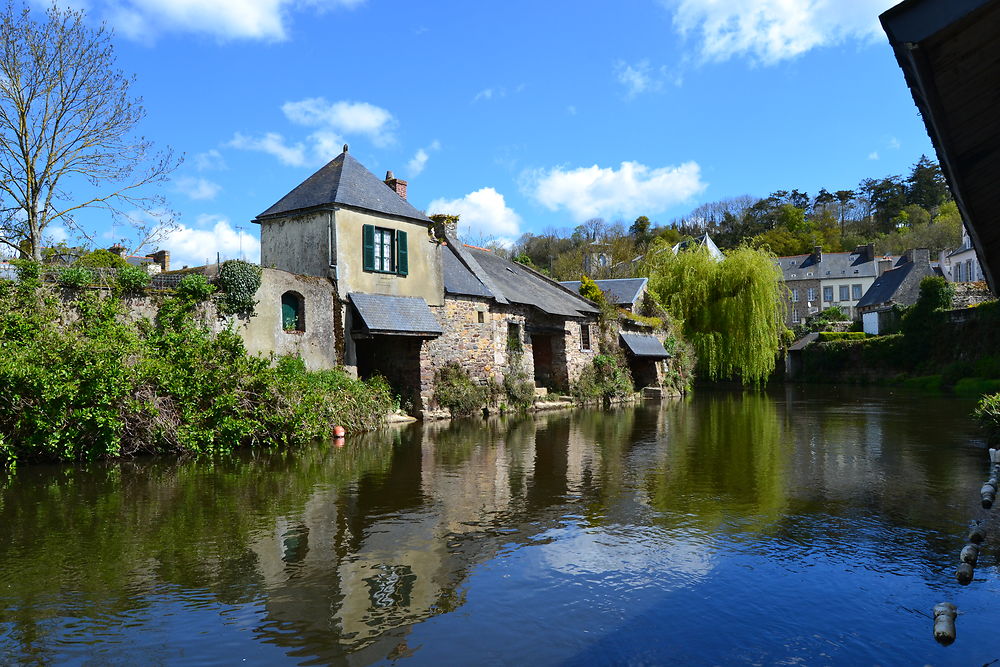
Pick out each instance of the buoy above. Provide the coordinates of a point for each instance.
(977, 532)
(970, 554)
(944, 622)
(964, 573)
(339, 432)
(338, 442)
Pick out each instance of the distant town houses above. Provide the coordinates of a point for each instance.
(961, 265)
(820, 280)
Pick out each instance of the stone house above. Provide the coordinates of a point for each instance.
(407, 299)
(819, 280)
(898, 286)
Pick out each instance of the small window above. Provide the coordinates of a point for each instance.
(828, 294)
(795, 295)
(480, 316)
(584, 336)
(293, 316)
(795, 317)
(855, 292)
(513, 337)
(845, 293)
(811, 294)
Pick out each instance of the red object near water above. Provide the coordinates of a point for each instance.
(338, 431)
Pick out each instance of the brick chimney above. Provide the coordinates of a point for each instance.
(398, 185)
(818, 253)
(161, 257)
(117, 249)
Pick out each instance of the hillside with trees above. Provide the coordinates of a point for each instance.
(893, 212)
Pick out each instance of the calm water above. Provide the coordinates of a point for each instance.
(807, 526)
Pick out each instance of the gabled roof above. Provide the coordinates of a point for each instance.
(885, 286)
(701, 241)
(620, 291)
(472, 271)
(344, 180)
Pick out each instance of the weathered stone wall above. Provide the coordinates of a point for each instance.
(970, 294)
(299, 244)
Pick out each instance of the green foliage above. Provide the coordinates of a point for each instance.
(101, 259)
(101, 387)
(988, 414)
(455, 391)
(518, 386)
(974, 387)
(76, 277)
(606, 378)
(132, 279)
(827, 336)
(194, 288)
(731, 311)
(590, 290)
(239, 282)
(821, 321)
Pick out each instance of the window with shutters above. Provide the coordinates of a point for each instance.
(385, 250)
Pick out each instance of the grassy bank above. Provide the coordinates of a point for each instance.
(79, 381)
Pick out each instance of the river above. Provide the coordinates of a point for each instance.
(806, 525)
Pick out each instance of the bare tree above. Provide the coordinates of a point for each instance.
(67, 142)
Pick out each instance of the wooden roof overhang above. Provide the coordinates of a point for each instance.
(949, 51)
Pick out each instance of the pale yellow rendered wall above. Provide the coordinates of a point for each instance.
(425, 278)
(299, 244)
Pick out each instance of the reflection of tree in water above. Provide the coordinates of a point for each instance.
(723, 459)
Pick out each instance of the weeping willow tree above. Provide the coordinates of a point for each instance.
(731, 311)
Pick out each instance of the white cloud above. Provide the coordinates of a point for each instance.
(485, 94)
(633, 189)
(226, 19)
(483, 213)
(769, 31)
(273, 144)
(343, 118)
(211, 234)
(893, 143)
(416, 165)
(873, 155)
(571, 110)
(197, 188)
(637, 79)
(210, 160)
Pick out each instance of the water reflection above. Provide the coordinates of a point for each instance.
(386, 548)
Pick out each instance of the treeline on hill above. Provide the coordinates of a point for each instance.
(894, 213)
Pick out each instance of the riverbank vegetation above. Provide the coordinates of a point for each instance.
(87, 382)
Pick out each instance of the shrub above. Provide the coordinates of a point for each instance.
(101, 259)
(988, 414)
(606, 378)
(76, 277)
(518, 387)
(132, 279)
(455, 390)
(194, 287)
(239, 282)
(826, 336)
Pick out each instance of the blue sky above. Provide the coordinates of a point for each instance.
(520, 116)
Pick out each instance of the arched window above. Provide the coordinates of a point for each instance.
(293, 312)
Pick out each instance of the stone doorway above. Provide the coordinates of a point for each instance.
(541, 355)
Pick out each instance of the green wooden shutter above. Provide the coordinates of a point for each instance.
(368, 244)
(402, 256)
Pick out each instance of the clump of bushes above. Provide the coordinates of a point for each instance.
(988, 414)
(101, 387)
(827, 336)
(239, 282)
(518, 386)
(455, 390)
(606, 378)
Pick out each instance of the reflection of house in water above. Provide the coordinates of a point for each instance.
(366, 564)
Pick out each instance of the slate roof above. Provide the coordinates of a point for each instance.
(401, 315)
(344, 181)
(478, 272)
(644, 345)
(885, 286)
(703, 240)
(830, 265)
(620, 291)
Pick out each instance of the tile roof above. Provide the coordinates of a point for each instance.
(478, 272)
(344, 181)
(620, 291)
(644, 345)
(405, 315)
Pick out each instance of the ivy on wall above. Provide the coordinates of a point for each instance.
(239, 282)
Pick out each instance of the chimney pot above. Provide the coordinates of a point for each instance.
(397, 184)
